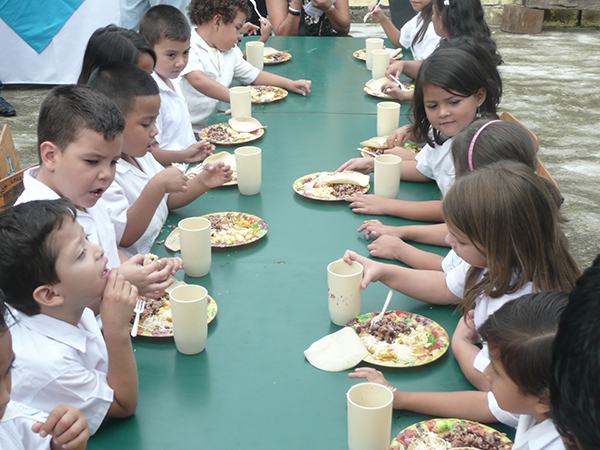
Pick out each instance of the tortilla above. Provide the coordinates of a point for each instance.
(245, 124)
(270, 51)
(345, 177)
(226, 157)
(173, 241)
(150, 258)
(375, 84)
(376, 142)
(336, 352)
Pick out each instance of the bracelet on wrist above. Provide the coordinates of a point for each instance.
(293, 12)
(331, 8)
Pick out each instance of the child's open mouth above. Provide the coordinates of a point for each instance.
(97, 193)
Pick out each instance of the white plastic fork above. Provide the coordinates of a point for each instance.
(379, 316)
(139, 308)
(367, 152)
(10, 415)
(367, 15)
(400, 84)
(256, 9)
(308, 186)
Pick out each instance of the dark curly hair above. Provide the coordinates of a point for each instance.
(202, 11)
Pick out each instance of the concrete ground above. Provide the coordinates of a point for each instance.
(551, 84)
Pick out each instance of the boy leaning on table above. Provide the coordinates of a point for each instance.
(144, 190)
(215, 59)
(168, 32)
(80, 135)
(50, 273)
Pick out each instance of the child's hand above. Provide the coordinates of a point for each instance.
(377, 13)
(399, 136)
(170, 180)
(395, 69)
(369, 204)
(150, 280)
(405, 153)
(362, 165)
(395, 91)
(388, 247)
(301, 87)
(175, 263)
(198, 152)
(215, 175)
(375, 376)
(371, 270)
(249, 28)
(374, 228)
(116, 307)
(265, 29)
(67, 425)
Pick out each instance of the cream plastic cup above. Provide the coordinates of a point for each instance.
(387, 175)
(344, 292)
(369, 416)
(372, 44)
(248, 163)
(194, 234)
(188, 308)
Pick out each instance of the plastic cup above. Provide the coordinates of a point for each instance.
(240, 101)
(372, 44)
(194, 234)
(188, 308)
(388, 117)
(387, 175)
(381, 61)
(248, 163)
(369, 417)
(343, 287)
(255, 51)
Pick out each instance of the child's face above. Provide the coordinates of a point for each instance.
(146, 62)
(140, 125)
(78, 259)
(6, 359)
(85, 169)
(418, 5)
(228, 34)
(464, 248)
(171, 57)
(449, 112)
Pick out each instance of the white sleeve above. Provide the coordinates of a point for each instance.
(423, 164)
(408, 31)
(512, 420)
(117, 206)
(455, 279)
(243, 71)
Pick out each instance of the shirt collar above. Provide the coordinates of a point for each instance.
(540, 435)
(40, 190)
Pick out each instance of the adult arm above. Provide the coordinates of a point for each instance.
(339, 16)
(284, 23)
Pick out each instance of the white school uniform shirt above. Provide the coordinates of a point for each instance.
(222, 67)
(530, 434)
(173, 121)
(484, 306)
(16, 434)
(59, 363)
(96, 221)
(436, 163)
(424, 48)
(125, 190)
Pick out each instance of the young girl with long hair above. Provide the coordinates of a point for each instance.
(520, 336)
(452, 89)
(503, 221)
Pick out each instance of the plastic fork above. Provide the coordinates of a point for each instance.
(10, 415)
(139, 308)
(400, 84)
(367, 15)
(256, 9)
(311, 184)
(367, 152)
(379, 316)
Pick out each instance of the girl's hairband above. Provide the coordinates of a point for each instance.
(446, 2)
(484, 126)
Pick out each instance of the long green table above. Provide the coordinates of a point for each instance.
(252, 388)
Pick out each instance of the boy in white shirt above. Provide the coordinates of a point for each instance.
(80, 135)
(168, 32)
(50, 273)
(215, 59)
(143, 188)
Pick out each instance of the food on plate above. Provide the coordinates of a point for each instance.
(336, 184)
(222, 133)
(270, 51)
(232, 227)
(378, 145)
(336, 352)
(362, 54)
(267, 94)
(156, 318)
(225, 157)
(373, 87)
(245, 124)
(275, 57)
(429, 441)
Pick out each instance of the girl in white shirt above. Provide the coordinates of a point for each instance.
(520, 336)
(503, 221)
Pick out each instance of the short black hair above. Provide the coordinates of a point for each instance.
(164, 22)
(122, 82)
(69, 109)
(574, 387)
(28, 256)
(202, 11)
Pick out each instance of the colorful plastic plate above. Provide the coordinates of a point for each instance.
(299, 188)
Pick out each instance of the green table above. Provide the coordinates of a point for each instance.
(252, 388)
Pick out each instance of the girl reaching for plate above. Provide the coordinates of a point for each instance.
(519, 336)
(503, 221)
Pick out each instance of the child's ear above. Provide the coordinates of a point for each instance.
(217, 20)
(47, 296)
(541, 406)
(48, 154)
(480, 95)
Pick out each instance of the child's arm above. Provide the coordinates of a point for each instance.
(265, 30)
(429, 211)
(468, 405)
(150, 280)
(213, 175)
(301, 87)
(68, 428)
(405, 153)
(401, 136)
(397, 92)
(465, 351)
(424, 234)
(424, 285)
(194, 153)
(391, 31)
(207, 86)
(116, 310)
(408, 68)
(141, 212)
(390, 247)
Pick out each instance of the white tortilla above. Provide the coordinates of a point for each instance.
(226, 157)
(173, 242)
(336, 352)
(375, 84)
(376, 142)
(149, 258)
(245, 124)
(394, 51)
(269, 51)
(346, 177)
(175, 284)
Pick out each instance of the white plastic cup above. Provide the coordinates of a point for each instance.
(188, 308)
(372, 44)
(381, 61)
(194, 234)
(248, 163)
(255, 53)
(369, 417)
(388, 117)
(240, 99)
(387, 175)
(344, 292)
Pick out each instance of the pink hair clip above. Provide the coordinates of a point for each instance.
(483, 127)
